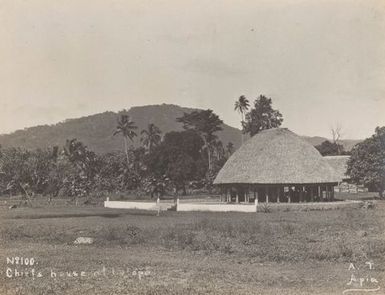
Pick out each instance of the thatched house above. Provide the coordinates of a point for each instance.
(276, 165)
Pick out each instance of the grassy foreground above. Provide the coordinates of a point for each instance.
(192, 253)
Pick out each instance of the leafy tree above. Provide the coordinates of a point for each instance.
(79, 155)
(367, 162)
(137, 156)
(328, 148)
(219, 160)
(151, 137)
(178, 158)
(126, 128)
(15, 174)
(206, 123)
(187, 141)
(114, 175)
(229, 149)
(242, 105)
(26, 172)
(262, 116)
(39, 164)
(77, 169)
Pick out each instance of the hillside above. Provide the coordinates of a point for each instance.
(96, 130)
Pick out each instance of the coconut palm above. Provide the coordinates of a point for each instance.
(126, 128)
(242, 105)
(151, 137)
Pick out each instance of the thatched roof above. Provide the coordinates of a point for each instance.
(339, 164)
(276, 156)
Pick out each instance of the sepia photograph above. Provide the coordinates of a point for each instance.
(192, 147)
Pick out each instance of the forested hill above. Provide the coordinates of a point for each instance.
(96, 130)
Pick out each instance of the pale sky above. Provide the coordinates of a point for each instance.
(322, 62)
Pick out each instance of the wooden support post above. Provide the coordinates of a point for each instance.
(223, 196)
(332, 194)
(300, 194)
(267, 195)
(323, 194)
(289, 196)
(279, 194)
(319, 194)
(312, 194)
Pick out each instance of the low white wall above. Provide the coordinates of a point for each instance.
(216, 207)
(313, 206)
(131, 205)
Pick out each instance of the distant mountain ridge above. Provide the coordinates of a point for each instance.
(96, 130)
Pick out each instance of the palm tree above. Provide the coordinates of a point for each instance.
(218, 150)
(151, 137)
(125, 127)
(75, 151)
(242, 105)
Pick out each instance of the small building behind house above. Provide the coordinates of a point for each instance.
(340, 165)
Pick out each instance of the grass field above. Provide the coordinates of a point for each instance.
(135, 252)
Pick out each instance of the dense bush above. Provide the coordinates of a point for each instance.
(178, 163)
(73, 171)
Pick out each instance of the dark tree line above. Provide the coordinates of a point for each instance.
(168, 163)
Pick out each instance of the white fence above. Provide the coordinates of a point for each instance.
(132, 205)
(157, 206)
(216, 207)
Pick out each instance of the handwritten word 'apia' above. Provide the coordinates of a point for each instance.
(362, 280)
